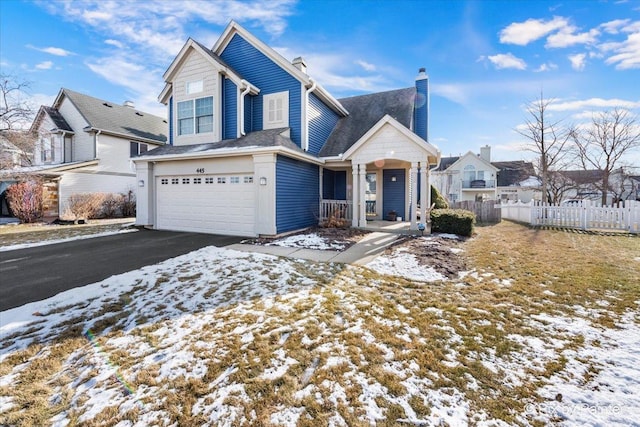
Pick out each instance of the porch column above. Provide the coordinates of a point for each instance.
(354, 195)
(425, 201)
(363, 196)
(321, 213)
(414, 195)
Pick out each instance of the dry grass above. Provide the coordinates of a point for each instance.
(354, 341)
(35, 233)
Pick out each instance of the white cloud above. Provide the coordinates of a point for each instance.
(503, 61)
(523, 33)
(143, 84)
(567, 37)
(614, 27)
(593, 103)
(457, 93)
(57, 51)
(546, 67)
(115, 43)
(578, 61)
(366, 65)
(627, 53)
(46, 65)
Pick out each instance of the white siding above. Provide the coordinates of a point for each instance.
(88, 181)
(114, 154)
(388, 143)
(194, 68)
(83, 143)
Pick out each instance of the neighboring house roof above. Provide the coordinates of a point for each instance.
(263, 138)
(117, 119)
(582, 177)
(56, 117)
(364, 112)
(445, 162)
(513, 173)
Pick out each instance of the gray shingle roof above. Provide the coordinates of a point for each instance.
(364, 112)
(445, 162)
(57, 118)
(513, 172)
(262, 138)
(582, 177)
(118, 119)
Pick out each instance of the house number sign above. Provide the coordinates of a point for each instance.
(200, 170)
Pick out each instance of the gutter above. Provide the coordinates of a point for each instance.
(122, 135)
(232, 152)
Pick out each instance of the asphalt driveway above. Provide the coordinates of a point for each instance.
(33, 274)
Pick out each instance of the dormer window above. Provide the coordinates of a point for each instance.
(275, 110)
(195, 116)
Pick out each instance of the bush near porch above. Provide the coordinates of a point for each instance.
(455, 221)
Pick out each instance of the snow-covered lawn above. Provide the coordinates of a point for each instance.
(310, 241)
(218, 337)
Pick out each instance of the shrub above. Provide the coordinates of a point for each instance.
(85, 205)
(25, 200)
(112, 205)
(128, 207)
(438, 199)
(455, 221)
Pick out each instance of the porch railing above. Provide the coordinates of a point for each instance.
(337, 209)
(479, 183)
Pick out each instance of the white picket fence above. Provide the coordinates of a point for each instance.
(584, 215)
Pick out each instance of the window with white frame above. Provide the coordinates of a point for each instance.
(136, 148)
(195, 116)
(469, 173)
(194, 87)
(275, 112)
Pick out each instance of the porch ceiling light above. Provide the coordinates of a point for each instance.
(141, 183)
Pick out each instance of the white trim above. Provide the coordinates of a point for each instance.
(231, 152)
(125, 136)
(275, 124)
(467, 154)
(430, 149)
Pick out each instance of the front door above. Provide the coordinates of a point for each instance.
(393, 188)
(371, 192)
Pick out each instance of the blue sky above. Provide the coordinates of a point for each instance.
(485, 59)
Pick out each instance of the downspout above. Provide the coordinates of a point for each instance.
(306, 118)
(95, 144)
(242, 95)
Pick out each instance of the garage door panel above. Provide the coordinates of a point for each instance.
(220, 208)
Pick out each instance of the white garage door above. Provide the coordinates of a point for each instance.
(218, 204)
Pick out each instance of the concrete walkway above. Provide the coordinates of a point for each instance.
(362, 252)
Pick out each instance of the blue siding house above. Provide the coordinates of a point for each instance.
(258, 147)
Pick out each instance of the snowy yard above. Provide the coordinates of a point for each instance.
(219, 337)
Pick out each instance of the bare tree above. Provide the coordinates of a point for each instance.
(604, 143)
(15, 109)
(558, 186)
(547, 139)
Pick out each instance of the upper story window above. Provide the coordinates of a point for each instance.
(275, 112)
(195, 116)
(194, 87)
(47, 151)
(136, 148)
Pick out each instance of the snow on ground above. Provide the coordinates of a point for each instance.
(234, 325)
(68, 239)
(310, 241)
(403, 264)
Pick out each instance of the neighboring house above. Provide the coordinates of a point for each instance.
(587, 185)
(473, 177)
(12, 156)
(85, 145)
(257, 147)
(517, 181)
